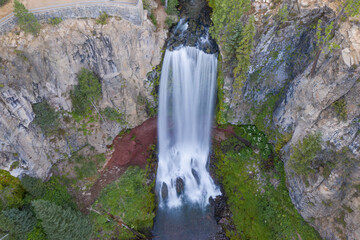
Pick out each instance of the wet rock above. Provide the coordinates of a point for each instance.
(196, 175)
(164, 191)
(180, 185)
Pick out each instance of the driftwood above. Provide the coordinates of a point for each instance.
(118, 221)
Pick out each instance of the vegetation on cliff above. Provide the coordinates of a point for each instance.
(236, 35)
(27, 21)
(253, 178)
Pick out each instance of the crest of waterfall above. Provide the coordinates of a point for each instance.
(186, 103)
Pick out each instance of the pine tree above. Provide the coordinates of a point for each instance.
(17, 222)
(27, 20)
(61, 223)
(243, 56)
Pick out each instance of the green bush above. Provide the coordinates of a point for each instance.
(55, 21)
(45, 117)
(61, 223)
(259, 210)
(169, 22)
(304, 153)
(11, 191)
(146, 5)
(113, 115)
(340, 108)
(38, 233)
(153, 18)
(53, 191)
(86, 93)
(27, 20)
(103, 19)
(3, 2)
(129, 198)
(172, 7)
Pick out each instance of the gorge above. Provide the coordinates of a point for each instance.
(273, 154)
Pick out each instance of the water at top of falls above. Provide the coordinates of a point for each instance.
(186, 103)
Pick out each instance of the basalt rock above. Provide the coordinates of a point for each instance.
(180, 186)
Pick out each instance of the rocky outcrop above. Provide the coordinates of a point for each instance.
(45, 69)
(280, 94)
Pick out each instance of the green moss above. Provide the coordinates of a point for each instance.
(129, 198)
(11, 191)
(259, 210)
(264, 114)
(303, 155)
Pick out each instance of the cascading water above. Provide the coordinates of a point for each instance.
(186, 102)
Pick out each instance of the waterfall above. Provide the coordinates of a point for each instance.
(186, 102)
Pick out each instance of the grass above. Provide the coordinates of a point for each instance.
(129, 198)
(259, 209)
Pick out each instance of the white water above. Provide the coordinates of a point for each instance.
(186, 102)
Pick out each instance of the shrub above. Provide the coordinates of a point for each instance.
(340, 108)
(304, 153)
(53, 190)
(86, 93)
(55, 21)
(113, 115)
(131, 199)
(11, 191)
(283, 14)
(172, 7)
(103, 19)
(45, 117)
(147, 5)
(153, 18)
(168, 22)
(3, 2)
(61, 223)
(38, 233)
(27, 20)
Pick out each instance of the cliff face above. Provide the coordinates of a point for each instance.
(288, 104)
(45, 69)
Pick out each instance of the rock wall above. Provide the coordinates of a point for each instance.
(131, 12)
(296, 104)
(45, 68)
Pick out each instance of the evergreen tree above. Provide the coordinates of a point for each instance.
(86, 93)
(27, 20)
(17, 222)
(61, 223)
(243, 52)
